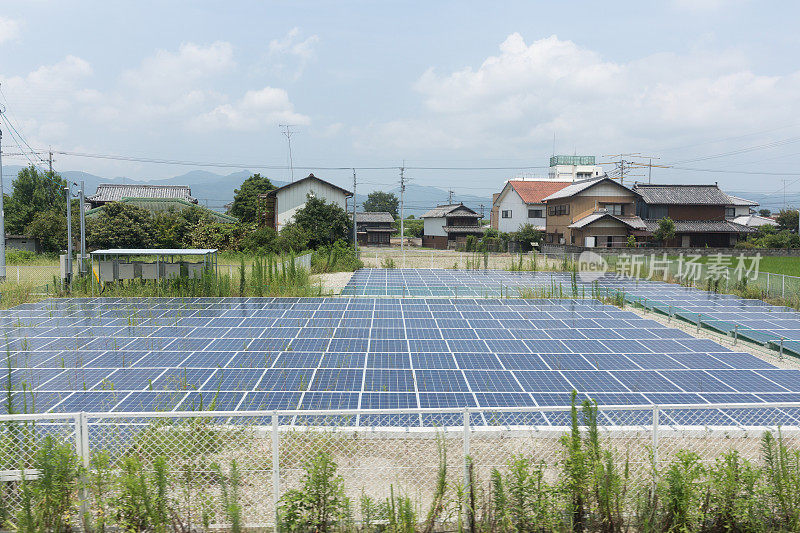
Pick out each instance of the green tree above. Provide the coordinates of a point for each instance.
(33, 192)
(122, 225)
(325, 223)
(174, 226)
(787, 219)
(291, 238)
(527, 234)
(665, 230)
(382, 201)
(245, 198)
(764, 212)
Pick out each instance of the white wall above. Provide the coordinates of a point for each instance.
(434, 227)
(519, 213)
(570, 172)
(293, 198)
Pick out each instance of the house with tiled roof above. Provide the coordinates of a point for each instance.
(597, 212)
(703, 214)
(520, 202)
(160, 205)
(448, 225)
(114, 192)
(374, 228)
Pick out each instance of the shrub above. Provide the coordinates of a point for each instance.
(320, 505)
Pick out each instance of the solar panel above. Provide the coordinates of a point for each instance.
(286, 353)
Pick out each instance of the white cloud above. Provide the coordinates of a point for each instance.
(256, 110)
(167, 73)
(9, 29)
(515, 100)
(292, 49)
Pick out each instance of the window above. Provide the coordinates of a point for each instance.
(534, 213)
(730, 212)
(507, 214)
(615, 209)
(550, 237)
(555, 210)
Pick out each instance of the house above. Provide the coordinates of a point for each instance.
(449, 224)
(739, 207)
(279, 205)
(374, 228)
(593, 212)
(159, 205)
(111, 192)
(23, 242)
(520, 202)
(700, 212)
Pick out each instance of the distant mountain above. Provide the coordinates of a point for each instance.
(420, 198)
(216, 190)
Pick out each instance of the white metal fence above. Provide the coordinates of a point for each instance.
(379, 452)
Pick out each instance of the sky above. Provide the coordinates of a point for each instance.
(474, 92)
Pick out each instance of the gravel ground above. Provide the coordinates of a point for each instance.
(332, 283)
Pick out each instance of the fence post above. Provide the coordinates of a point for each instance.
(17, 274)
(276, 476)
(656, 413)
(781, 355)
(783, 285)
(82, 451)
(767, 282)
(699, 315)
(466, 453)
(735, 334)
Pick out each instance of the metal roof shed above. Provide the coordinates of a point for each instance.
(162, 255)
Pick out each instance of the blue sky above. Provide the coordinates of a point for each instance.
(432, 83)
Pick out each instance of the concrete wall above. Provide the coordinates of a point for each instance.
(434, 227)
(293, 198)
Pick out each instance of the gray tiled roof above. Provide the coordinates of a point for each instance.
(630, 221)
(375, 216)
(443, 210)
(702, 226)
(735, 200)
(113, 192)
(463, 229)
(682, 194)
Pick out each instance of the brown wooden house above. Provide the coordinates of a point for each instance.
(699, 212)
(595, 212)
(374, 228)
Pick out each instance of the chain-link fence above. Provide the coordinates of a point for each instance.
(377, 453)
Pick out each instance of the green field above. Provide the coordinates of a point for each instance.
(774, 265)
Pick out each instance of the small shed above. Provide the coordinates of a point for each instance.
(23, 242)
(117, 264)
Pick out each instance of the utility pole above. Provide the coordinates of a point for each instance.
(287, 131)
(50, 161)
(69, 233)
(402, 214)
(650, 172)
(83, 231)
(355, 230)
(2, 214)
(481, 211)
(784, 193)
(450, 197)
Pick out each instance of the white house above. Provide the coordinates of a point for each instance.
(283, 202)
(520, 202)
(739, 207)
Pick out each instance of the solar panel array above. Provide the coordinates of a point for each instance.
(103, 354)
(757, 319)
